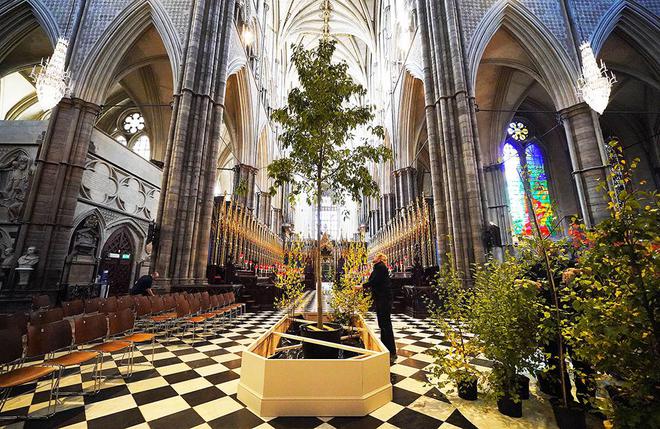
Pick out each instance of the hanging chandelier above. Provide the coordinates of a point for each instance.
(596, 81)
(52, 79)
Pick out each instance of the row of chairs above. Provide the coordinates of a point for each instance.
(67, 343)
(112, 320)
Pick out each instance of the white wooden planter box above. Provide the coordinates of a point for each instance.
(314, 387)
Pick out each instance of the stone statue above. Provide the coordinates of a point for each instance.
(8, 262)
(30, 259)
(16, 187)
(26, 264)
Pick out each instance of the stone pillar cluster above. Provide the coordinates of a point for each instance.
(388, 207)
(451, 125)
(244, 180)
(405, 185)
(264, 208)
(190, 165)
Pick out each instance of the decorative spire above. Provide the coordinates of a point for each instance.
(327, 9)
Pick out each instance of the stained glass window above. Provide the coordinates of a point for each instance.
(142, 147)
(538, 185)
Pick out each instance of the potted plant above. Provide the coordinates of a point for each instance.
(618, 301)
(347, 298)
(323, 155)
(289, 279)
(505, 319)
(451, 315)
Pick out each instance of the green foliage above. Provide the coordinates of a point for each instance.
(348, 300)
(289, 278)
(617, 301)
(505, 319)
(452, 316)
(319, 123)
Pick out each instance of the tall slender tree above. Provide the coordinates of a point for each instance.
(323, 155)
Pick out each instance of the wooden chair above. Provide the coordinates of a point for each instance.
(14, 374)
(40, 302)
(92, 305)
(108, 305)
(73, 308)
(17, 320)
(42, 317)
(118, 323)
(124, 302)
(87, 328)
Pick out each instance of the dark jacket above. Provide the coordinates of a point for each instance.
(142, 285)
(379, 283)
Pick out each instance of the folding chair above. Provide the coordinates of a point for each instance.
(42, 317)
(73, 308)
(14, 374)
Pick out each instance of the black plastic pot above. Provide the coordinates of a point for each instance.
(522, 386)
(571, 417)
(508, 407)
(314, 351)
(467, 389)
(546, 384)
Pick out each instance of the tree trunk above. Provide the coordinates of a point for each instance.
(319, 287)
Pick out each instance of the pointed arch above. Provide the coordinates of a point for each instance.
(238, 116)
(412, 118)
(45, 20)
(99, 66)
(636, 21)
(557, 69)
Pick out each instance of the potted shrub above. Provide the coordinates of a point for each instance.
(505, 319)
(347, 298)
(618, 302)
(289, 279)
(452, 365)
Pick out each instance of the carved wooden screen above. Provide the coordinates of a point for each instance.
(117, 257)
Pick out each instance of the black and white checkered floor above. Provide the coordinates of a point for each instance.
(193, 384)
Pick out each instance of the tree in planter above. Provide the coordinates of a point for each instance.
(452, 316)
(289, 279)
(505, 319)
(617, 278)
(318, 138)
(347, 299)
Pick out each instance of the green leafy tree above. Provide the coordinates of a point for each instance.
(618, 301)
(323, 155)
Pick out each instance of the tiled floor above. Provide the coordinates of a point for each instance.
(193, 384)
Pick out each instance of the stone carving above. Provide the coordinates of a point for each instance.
(8, 262)
(26, 264)
(16, 185)
(86, 238)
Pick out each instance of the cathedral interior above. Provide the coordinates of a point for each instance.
(136, 138)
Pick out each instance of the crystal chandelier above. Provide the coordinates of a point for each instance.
(596, 81)
(52, 79)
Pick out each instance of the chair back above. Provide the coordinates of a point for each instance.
(194, 304)
(227, 298)
(156, 304)
(108, 305)
(121, 321)
(214, 301)
(169, 302)
(232, 297)
(73, 308)
(42, 317)
(17, 321)
(205, 301)
(142, 305)
(92, 305)
(40, 301)
(124, 302)
(12, 345)
(89, 328)
(49, 337)
(182, 307)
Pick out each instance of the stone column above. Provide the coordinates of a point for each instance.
(49, 210)
(186, 203)
(244, 179)
(264, 208)
(276, 225)
(387, 207)
(588, 159)
(451, 124)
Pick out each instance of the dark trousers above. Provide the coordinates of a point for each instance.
(383, 312)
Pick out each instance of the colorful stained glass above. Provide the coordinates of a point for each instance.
(538, 184)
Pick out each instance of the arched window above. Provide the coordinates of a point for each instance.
(142, 147)
(121, 139)
(521, 151)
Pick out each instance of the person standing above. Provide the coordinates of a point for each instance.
(143, 285)
(379, 283)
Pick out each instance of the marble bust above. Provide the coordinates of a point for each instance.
(30, 259)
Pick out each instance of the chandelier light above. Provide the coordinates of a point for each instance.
(52, 79)
(596, 81)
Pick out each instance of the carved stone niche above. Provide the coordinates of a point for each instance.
(15, 176)
(81, 264)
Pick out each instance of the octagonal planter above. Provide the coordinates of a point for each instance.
(314, 387)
